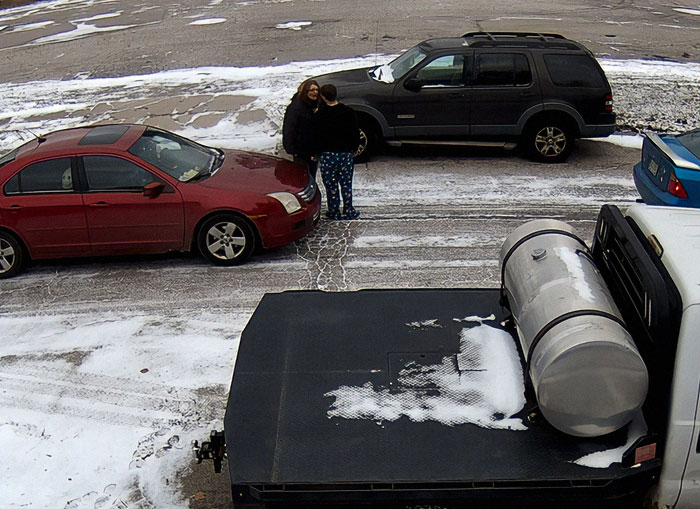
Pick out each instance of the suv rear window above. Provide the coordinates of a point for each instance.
(691, 141)
(574, 71)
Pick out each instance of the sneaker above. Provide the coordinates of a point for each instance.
(333, 216)
(352, 214)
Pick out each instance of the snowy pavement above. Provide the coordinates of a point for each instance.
(108, 368)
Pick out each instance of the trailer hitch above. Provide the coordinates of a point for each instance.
(213, 449)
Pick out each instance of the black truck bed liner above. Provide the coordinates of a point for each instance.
(299, 345)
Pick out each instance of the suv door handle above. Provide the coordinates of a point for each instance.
(14, 208)
(100, 204)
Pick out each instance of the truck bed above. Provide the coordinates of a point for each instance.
(298, 346)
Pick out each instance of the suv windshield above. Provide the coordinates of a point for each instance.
(178, 157)
(398, 67)
(691, 141)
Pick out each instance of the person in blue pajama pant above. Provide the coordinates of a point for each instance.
(337, 169)
(337, 138)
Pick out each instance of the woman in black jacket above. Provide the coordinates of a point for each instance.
(298, 126)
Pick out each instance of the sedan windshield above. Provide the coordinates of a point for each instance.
(398, 67)
(691, 141)
(177, 156)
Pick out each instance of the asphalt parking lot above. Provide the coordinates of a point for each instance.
(431, 218)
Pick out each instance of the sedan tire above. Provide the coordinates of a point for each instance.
(226, 240)
(11, 255)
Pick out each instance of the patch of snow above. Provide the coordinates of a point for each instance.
(415, 264)
(577, 276)
(474, 318)
(209, 21)
(101, 408)
(425, 323)
(694, 12)
(433, 241)
(482, 386)
(603, 459)
(293, 25)
(105, 15)
(623, 140)
(81, 30)
(30, 26)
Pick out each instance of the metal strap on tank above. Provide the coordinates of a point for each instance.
(525, 239)
(562, 318)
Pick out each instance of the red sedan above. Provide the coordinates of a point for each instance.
(125, 189)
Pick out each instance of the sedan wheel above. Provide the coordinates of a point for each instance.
(226, 240)
(11, 256)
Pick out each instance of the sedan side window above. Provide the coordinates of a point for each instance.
(445, 71)
(52, 176)
(106, 173)
(501, 69)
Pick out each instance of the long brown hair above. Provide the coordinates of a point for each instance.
(303, 92)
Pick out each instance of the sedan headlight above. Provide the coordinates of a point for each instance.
(288, 201)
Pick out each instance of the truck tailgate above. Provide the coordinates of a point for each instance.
(301, 345)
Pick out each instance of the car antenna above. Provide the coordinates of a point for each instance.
(40, 139)
(376, 42)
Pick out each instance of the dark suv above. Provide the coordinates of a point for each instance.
(540, 91)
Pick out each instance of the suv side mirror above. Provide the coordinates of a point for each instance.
(413, 84)
(153, 189)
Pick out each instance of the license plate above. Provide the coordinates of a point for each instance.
(653, 167)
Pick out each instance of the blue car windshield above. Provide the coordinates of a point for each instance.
(691, 141)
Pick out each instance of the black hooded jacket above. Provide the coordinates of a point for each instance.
(298, 127)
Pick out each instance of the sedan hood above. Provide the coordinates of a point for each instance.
(246, 171)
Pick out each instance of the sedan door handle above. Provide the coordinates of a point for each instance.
(14, 208)
(100, 204)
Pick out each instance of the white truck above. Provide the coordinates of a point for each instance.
(442, 397)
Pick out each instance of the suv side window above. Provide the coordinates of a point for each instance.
(444, 71)
(573, 71)
(501, 69)
(52, 176)
(105, 173)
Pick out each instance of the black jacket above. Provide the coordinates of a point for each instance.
(297, 129)
(336, 129)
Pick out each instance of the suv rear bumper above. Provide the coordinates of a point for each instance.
(597, 131)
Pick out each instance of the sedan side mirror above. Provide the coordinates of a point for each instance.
(413, 84)
(153, 189)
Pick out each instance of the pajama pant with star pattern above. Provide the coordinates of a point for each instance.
(336, 170)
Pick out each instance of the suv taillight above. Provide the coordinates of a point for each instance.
(608, 103)
(676, 188)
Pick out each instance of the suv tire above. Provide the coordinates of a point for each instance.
(368, 142)
(549, 141)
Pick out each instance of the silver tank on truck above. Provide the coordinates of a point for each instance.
(587, 374)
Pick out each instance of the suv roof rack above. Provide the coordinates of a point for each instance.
(492, 35)
(520, 39)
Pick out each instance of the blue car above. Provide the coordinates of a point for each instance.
(669, 172)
